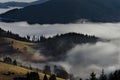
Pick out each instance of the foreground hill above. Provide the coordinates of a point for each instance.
(66, 11)
(17, 70)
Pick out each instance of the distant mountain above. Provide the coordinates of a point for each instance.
(66, 11)
(13, 4)
(20, 4)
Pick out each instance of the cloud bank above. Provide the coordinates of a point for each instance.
(103, 30)
(94, 57)
(83, 59)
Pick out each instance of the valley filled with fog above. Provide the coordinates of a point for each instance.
(85, 58)
(81, 59)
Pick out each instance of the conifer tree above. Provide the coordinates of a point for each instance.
(45, 77)
(93, 76)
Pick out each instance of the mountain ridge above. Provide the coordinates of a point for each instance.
(65, 11)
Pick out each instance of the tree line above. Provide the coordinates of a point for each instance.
(9, 60)
(60, 72)
(112, 76)
(35, 76)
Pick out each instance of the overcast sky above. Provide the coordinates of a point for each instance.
(17, 0)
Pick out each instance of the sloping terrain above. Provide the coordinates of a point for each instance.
(21, 45)
(10, 46)
(66, 11)
(18, 72)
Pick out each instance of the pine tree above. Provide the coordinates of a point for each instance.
(103, 76)
(45, 77)
(33, 76)
(14, 62)
(52, 77)
(93, 76)
(47, 70)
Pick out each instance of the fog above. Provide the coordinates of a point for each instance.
(85, 58)
(102, 30)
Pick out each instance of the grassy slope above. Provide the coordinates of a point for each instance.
(21, 45)
(19, 71)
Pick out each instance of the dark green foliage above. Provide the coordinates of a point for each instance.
(66, 11)
(52, 77)
(28, 37)
(93, 76)
(19, 78)
(47, 70)
(45, 77)
(58, 45)
(103, 76)
(33, 76)
(61, 72)
(115, 75)
(14, 62)
(7, 60)
(9, 34)
(42, 38)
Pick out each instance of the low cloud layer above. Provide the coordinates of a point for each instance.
(94, 57)
(103, 30)
(83, 59)
(87, 58)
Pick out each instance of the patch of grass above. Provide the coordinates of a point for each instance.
(19, 71)
(22, 46)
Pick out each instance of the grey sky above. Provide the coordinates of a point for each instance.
(17, 0)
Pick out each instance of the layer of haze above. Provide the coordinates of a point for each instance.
(85, 58)
(102, 30)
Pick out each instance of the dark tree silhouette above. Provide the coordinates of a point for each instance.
(93, 76)
(47, 70)
(33, 76)
(103, 76)
(14, 62)
(42, 38)
(61, 72)
(9, 34)
(80, 78)
(7, 60)
(45, 77)
(52, 77)
(57, 46)
(28, 37)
